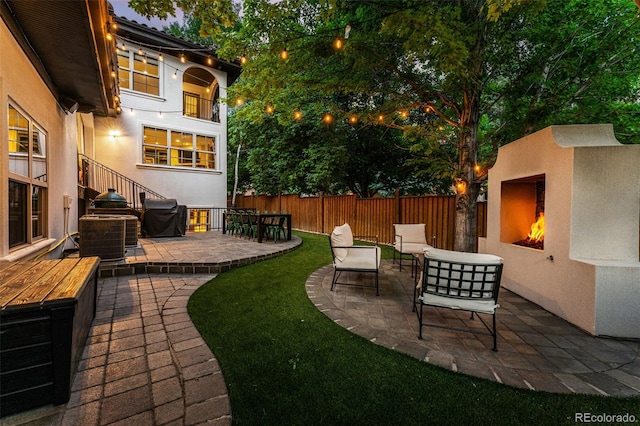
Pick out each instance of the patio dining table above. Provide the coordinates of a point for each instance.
(260, 218)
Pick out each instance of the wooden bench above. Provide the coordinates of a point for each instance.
(46, 311)
(457, 280)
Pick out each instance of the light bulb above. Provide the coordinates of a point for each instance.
(284, 54)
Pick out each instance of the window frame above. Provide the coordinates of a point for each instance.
(177, 152)
(34, 225)
(133, 74)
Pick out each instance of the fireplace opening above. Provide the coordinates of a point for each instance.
(522, 212)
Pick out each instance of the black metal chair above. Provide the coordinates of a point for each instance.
(457, 280)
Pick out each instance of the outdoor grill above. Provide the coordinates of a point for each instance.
(110, 200)
(163, 218)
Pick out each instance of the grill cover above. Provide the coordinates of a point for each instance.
(163, 218)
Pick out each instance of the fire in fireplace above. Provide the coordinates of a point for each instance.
(523, 211)
(535, 238)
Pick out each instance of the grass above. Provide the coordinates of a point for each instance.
(286, 363)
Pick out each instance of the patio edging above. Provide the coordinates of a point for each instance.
(119, 269)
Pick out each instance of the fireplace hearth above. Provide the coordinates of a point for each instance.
(578, 189)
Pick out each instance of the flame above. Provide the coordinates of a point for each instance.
(537, 229)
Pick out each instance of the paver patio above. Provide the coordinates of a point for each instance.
(145, 363)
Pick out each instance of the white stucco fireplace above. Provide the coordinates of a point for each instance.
(587, 186)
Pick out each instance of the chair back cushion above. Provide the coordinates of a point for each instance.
(341, 237)
(410, 233)
(461, 275)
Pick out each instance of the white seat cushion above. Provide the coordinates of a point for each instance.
(413, 248)
(475, 305)
(365, 258)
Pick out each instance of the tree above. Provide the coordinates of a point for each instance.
(215, 15)
(458, 77)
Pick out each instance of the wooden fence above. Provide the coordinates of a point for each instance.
(368, 216)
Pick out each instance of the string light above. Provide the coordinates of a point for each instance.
(183, 59)
(243, 59)
(269, 109)
(209, 60)
(353, 119)
(328, 118)
(109, 36)
(175, 74)
(160, 57)
(239, 101)
(380, 118)
(338, 43)
(284, 54)
(297, 115)
(140, 51)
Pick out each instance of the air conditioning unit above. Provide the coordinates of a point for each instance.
(102, 236)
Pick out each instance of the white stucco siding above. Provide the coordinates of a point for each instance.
(21, 86)
(193, 187)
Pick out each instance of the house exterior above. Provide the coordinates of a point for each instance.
(68, 89)
(171, 135)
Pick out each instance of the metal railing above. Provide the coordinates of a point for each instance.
(100, 178)
(202, 219)
(202, 108)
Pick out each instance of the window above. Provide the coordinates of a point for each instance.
(177, 148)
(138, 72)
(27, 179)
(199, 220)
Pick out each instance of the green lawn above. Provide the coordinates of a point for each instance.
(285, 363)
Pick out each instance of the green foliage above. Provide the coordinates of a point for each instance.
(214, 14)
(189, 30)
(570, 71)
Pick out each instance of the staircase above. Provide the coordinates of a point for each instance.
(95, 178)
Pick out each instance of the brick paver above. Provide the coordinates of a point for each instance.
(536, 349)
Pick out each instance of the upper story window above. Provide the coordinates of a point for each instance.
(200, 93)
(176, 148)
(138, 72)
(27, 179)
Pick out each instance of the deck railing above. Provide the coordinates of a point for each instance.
(202, 108)
(100, 178)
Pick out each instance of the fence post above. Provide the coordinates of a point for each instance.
(321, 201)
(398, 206)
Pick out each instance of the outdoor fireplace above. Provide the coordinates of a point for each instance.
(585, 187)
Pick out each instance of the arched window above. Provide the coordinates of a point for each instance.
(200, 92)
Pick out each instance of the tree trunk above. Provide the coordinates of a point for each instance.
(467, 185)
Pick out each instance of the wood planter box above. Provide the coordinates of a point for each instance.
(46, 311)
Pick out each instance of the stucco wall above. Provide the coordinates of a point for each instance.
(588, 272)
(192, 187)
(21, 85)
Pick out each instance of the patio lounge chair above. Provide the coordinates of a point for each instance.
(350, 258)
(409, 239)
(457, 280)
